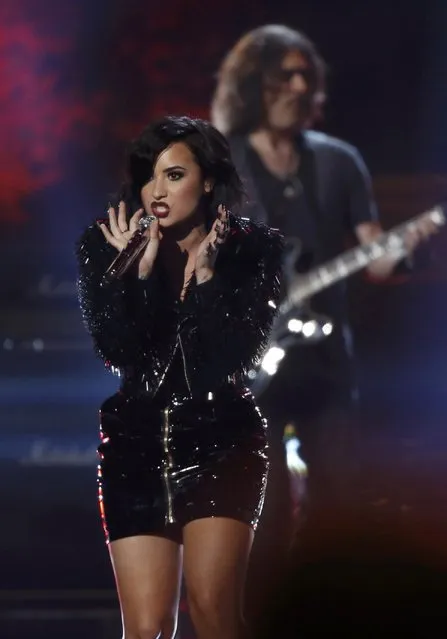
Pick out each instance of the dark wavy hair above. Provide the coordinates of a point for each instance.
(237, 106)
(210, 150)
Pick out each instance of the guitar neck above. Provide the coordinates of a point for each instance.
(391, 243)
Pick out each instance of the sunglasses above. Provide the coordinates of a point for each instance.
(285, 75)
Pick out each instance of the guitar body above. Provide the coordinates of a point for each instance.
(299, 321)
(302, 324)
(299, 327)
(296, 324)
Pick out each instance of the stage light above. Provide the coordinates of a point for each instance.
(295, 325)
(309, 328)
(327, 328)
(271, 359)
(294, 462)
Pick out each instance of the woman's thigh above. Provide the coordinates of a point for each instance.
(147, 572)
(216, 552)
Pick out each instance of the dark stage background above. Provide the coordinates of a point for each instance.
(78, 79)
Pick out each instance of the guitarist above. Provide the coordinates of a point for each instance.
(270, 92)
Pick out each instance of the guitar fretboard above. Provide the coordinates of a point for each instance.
(391, 243)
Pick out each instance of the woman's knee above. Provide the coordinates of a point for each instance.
(214, 610)
(151, 629)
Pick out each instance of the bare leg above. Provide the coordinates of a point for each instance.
(147, 572)
(216, 552)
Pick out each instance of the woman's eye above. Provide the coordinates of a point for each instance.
(175, 175)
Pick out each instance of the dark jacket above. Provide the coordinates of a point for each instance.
(220, 329)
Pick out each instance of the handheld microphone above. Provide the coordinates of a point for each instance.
(128, 255)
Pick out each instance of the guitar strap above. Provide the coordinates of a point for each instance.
(307, 175)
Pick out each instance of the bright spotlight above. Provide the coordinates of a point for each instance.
(271, 359)
(309, 328)
(327, 328)
(295, 326)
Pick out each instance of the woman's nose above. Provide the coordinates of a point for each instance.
(159, 189)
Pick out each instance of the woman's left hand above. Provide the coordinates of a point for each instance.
(208, 249)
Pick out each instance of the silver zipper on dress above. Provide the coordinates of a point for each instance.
(167, 465)
(184, 363)
(162, 377)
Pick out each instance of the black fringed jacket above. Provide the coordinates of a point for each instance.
(221, 327)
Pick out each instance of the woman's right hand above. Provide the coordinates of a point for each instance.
(120, 233)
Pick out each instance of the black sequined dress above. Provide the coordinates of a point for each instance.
(183, 438)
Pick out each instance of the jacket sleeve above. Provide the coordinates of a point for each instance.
(117, 315)
(229, 317)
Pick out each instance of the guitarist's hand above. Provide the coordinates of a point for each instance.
(422, 230)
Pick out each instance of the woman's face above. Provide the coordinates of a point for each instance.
(176, 187)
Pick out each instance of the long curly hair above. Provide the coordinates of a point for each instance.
(237, 107)
(207, 144)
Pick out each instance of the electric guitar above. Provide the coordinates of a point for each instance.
(296, 323)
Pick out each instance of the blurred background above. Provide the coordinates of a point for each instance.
(77, 80)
